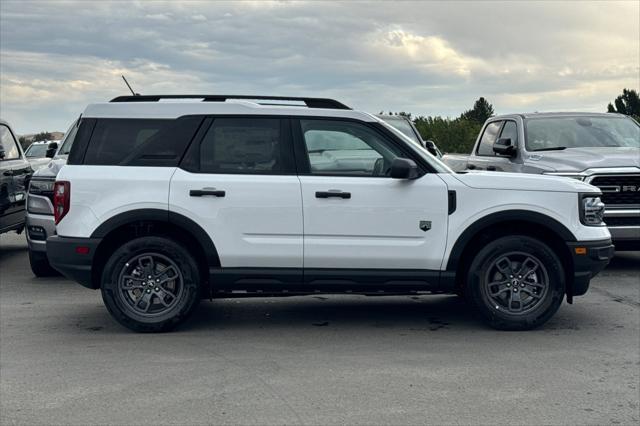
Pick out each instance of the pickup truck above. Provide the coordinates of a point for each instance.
(602, 149)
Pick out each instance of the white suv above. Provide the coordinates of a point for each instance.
(163, 203)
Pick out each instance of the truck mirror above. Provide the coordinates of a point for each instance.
(2, 154)
(51, 152)
(504, 147)
(431, 147)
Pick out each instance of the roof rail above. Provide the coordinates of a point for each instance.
(309, 102)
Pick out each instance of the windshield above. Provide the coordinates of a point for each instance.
(577, 132)
(36, 151)
(402, 125)
(438, 165)
(68, 139)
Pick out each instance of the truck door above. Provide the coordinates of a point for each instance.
(484, 158)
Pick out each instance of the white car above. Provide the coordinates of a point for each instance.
(163, 203)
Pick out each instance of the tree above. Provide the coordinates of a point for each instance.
(628, 103)
(42, 136)
(482, 110)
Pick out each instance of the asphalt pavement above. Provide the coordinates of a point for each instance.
(315, 359)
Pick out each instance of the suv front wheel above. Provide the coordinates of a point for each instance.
(516, 282)
(151, 284)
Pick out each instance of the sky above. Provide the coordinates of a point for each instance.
(427, 58)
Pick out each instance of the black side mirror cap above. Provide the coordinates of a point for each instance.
(51, 152)
(53, 145)
(504, 147)
(431, 147)
(404, 168)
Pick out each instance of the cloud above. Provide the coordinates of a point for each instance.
(427, 58)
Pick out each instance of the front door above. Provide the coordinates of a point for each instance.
(355, 215)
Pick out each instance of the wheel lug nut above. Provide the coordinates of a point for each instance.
(157, 288)
(157, 280)
(149, 276)
(148, 290)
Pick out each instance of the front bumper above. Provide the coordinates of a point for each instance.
(73, 257)
(39, 227)
(589, 258)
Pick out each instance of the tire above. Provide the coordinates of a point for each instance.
(516, 283)
(40, 265)
(153, 304)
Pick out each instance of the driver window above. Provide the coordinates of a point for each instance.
(346, 149)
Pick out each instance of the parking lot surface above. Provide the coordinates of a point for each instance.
(315, 359)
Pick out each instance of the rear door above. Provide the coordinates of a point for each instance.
(238, 182)
(355, 215)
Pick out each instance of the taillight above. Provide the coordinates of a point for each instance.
(61, 199)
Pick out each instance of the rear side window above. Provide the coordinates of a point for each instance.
(246, 146)
(140, 142)
(489, 136)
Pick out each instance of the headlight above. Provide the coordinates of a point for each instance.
(41, 186)
(38, 204)
(591, 211)
(578, 176)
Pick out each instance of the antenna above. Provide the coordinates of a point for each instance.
(129, 86)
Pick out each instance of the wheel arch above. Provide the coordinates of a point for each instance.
(145, 222)
(510, 222)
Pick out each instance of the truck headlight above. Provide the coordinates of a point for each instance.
(591, 210)
(577, 176)
(41, 186)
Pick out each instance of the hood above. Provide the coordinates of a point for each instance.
(523, 182)
(580, 159)
(50, 171)
(37, 163)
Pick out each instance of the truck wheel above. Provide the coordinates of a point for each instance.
(516, 283)
(40, 265)
(151, 284)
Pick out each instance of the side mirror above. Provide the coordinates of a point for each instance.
(53, 145)
(51, 152)
(2, 153)
(504, 147)
(431, 147)
(403, 168)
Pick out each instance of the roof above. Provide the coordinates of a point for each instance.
(559, 114)
(174, 106)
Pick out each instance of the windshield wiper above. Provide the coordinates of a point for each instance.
(555, 148)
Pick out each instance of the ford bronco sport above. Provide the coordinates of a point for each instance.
(163, 203)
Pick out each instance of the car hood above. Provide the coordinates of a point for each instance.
(522, 182)
(50, 171)
(580, 159)
(38, 163)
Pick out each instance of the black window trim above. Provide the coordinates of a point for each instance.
(302, 157)
(190, 161)
(505, 120)
(484, 129)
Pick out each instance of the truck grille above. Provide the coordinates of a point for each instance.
(618, 189)
(622, 221)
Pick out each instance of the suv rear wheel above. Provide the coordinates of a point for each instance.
(516, 283)
(151, 284)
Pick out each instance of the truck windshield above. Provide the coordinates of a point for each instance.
(36, 151)
(557, 133)
(402, 125)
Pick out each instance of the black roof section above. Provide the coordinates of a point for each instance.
(309, 102)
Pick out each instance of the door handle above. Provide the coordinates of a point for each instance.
(491, 168)
(202, 192)
(333, 193)
(471, 166)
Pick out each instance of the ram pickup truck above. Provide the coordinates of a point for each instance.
(600, 149)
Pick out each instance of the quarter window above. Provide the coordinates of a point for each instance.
(9, 144)
(347, 149)
(246, 146)
(489, 136)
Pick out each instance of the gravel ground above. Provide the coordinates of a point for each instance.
(315, 359)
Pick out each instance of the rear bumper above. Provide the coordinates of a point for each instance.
(589, 258)
(39, 227)
(73, 257)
